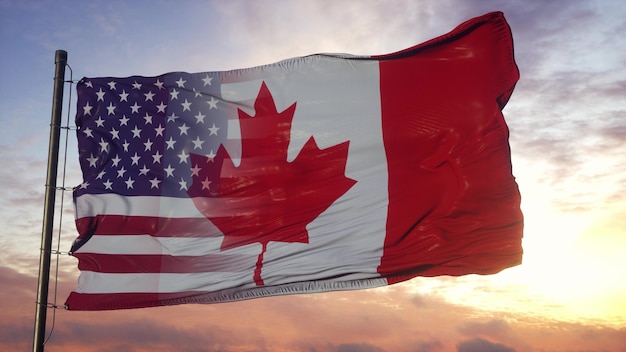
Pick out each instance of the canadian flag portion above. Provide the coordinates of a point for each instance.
(318, 173)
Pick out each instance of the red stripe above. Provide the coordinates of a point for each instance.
(142, 263)
(453, 203)
(106, 301)
(146, 225)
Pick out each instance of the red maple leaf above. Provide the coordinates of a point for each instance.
(268, 198)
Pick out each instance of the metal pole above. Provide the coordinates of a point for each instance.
(60, 60)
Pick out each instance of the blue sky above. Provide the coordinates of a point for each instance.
(567, 119)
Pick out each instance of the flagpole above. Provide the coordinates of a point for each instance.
(60, 60)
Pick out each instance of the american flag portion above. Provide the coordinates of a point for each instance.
(138, 228)
(144, 130)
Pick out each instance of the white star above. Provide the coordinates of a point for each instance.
(183, 184)
(197, 93)
(115, 134)
(136, 85)
(134, 108)
(183, 157)
(100, 94)
(104, 146)
(197, 143)
(181, 83)
(172, 118)
(100, 175)
(129, 183)
(195, 170)
(87, 109)
(154, 183)
(88, 132)
(156, 158)
(159, 84)
(170, 143)
(169, 170)
(183, 129)
(88, 84)
(125, 145)
(200, 117)
(159, 130)
(186, 105)
(174, 94)
(210, 156)
(84, 185)
(148, 119)
(136, 132)
(206, 183)
(121, 172)
(212, 103)
(116, 160)
(149, 95)
(112, 85)
(213, 130)
(148, 145)
(111, 109)
(124, 120)
(135, 158)
(100, 122)
(144, 170)
(161, 107)
(207, 80)
(108, 184)
(92, 160)
(124, 96)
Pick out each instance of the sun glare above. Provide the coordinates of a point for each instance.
(574, 277)
(570, 272)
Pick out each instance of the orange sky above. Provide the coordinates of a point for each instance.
(391, 319)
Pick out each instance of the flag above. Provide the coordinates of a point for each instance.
(317, 173)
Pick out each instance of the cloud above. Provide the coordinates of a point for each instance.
(428, 346)
(146, 333)
(390, 319)
(496, 328)
(17, 303)
(358, 347)
(565, 113)
(16, 335)
(480, 345)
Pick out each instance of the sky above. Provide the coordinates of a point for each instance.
(567, 121)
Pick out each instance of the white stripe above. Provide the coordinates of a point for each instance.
(234, 130)
(115, 204)
(93, 282)
(146, 244)
(241, 91)
(88, 205)
(239, 95)
(233, 141)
